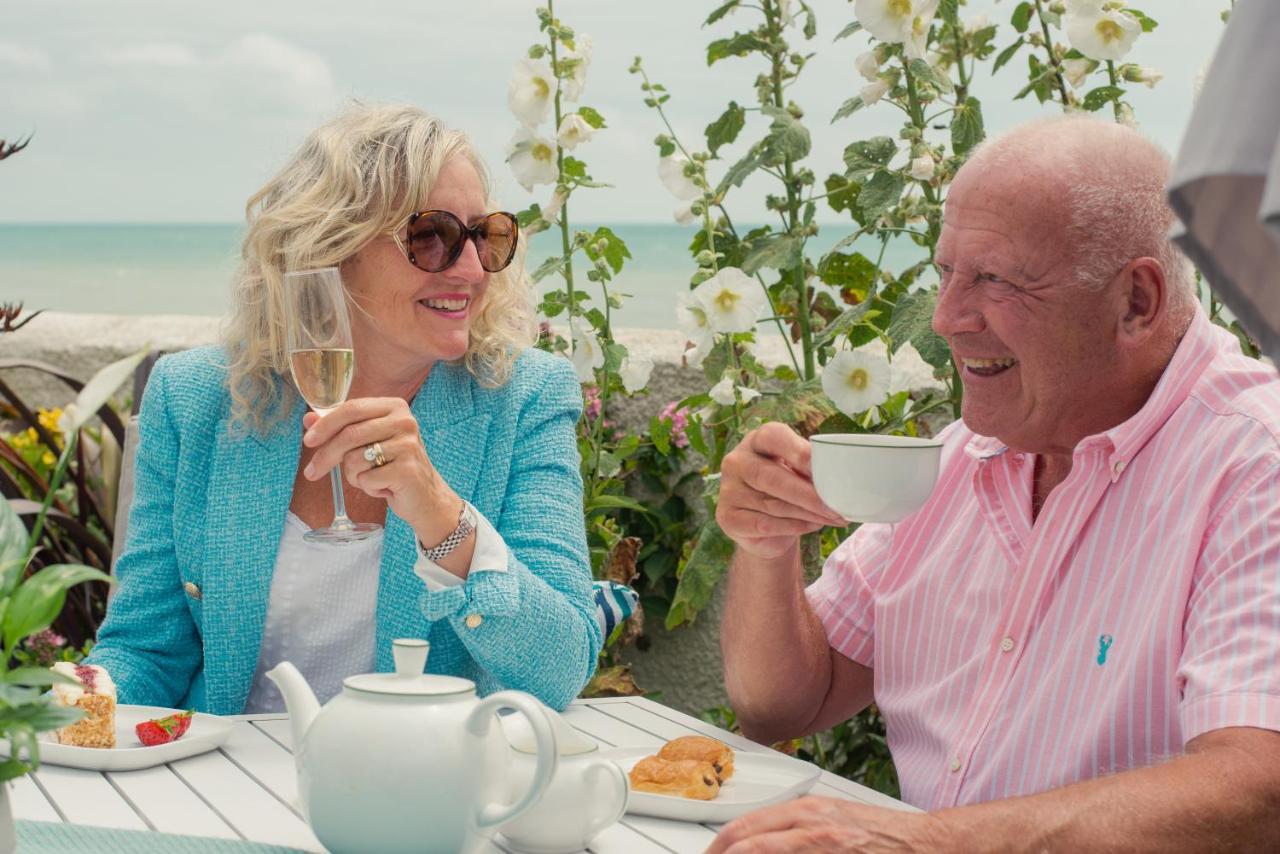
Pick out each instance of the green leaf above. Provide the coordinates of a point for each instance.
(842, 194)
(866, 156)
(605, 503)
(848, 108)
(1100, 97)
(913, 321)
(777, 251)
(966, 126)
(788, 139)
(549, 266)
(880, 193)
(810, 22)
(922, 70)
(36, 677)
(722, 11)
(1022, 17)
(660, 434)
(591, 117)
(529, 215)
(1007, 54)
(574, 168)
(740, 44)
(38, 600)
(1147, 23)
(725, 129)
(739, 171)
(13, 548)
(846, 320)
(615, 248)
(855, 272)
(707, 564)
(848, 31)
(98, 390)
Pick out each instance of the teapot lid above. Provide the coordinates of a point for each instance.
(409, 679)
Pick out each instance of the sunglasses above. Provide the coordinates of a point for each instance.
(434, 240)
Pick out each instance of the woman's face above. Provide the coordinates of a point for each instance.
(408, 319)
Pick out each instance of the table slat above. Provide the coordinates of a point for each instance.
(169, 804)
(279, 730)
(621, 838)
(244, 803)
(28, 802)
(87, 797)
(264, 760)
(610, 730)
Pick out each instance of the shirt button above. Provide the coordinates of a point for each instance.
(1118, 467)
(193, 590)
(955, 765)
(1006, 645)
(474, 621)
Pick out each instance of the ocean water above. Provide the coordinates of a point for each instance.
(187, 269)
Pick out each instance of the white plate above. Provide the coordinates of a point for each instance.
(759, 779)
(207, 732)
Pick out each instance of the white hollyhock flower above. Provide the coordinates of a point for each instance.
(691, 319)
(1076, 70)
(908, 371)
(873, 92)
(856, 380)
(635, 372)
(868, 66)
(552, 210)
(898, 21)
(1101, 34)
(747, 393)
(531, 91)
(577, 80)
(532, 159)
(977, 22)
(1126, 117)
(574, 130)
(922, 168)
(680, 185)
(722, 392)
(917, 36)
(731, 300)
(1142, 74)
(588, 355)
(684, 214)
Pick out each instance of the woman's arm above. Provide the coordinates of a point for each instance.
(148, 641)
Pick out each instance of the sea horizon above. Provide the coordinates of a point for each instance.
(140, 268)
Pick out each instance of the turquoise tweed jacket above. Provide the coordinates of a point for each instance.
(184, 626)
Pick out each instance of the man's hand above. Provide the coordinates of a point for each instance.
(767, 499)
(829, 825)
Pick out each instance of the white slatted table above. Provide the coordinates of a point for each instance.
(247, 789)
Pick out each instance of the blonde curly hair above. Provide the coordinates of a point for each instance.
(355, 178)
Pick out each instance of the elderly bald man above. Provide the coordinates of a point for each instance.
(1075, 643)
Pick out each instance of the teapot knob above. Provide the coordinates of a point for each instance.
(410, 656)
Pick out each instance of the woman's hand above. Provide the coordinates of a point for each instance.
(408, 481)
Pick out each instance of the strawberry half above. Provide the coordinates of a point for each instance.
(164, 730)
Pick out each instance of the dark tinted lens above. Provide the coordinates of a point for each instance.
(434, 240)
(496, 241)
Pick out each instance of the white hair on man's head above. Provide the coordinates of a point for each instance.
(1114, 198)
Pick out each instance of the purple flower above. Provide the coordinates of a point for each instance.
(679, 418)
(45, 646)
(591, 401)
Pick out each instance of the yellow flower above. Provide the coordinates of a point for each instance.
(48, 419)
(48, 459)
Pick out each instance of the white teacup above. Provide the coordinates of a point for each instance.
(866, 477)
(587, 793)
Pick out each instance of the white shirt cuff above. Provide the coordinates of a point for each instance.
(490, 555)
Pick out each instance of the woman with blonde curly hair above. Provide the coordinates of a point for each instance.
(457, 437)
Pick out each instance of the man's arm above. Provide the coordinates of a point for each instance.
(782, 676)
(1223, 795)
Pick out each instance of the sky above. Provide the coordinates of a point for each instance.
(152, 111)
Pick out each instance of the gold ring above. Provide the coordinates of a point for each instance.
(373, 453)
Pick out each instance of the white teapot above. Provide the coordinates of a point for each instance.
(408, 762)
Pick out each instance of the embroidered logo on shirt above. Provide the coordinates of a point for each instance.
(1104, 644)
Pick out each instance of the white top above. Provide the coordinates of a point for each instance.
(321, 612)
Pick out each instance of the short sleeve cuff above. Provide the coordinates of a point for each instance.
(1233, 709)
(833, 608)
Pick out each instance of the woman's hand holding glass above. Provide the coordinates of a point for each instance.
(407, 480)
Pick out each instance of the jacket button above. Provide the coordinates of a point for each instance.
(193, 590)
(474, 621)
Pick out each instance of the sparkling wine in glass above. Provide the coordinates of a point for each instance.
(322, 361)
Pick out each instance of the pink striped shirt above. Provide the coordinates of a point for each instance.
(1141, 609)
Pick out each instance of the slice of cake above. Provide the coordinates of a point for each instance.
(95, 693)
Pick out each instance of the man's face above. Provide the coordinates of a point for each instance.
(1034, 349)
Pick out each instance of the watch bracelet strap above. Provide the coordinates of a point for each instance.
(456, 537)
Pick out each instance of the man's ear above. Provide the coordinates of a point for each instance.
(1145, 299)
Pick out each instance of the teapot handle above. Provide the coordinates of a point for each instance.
(605, 768)
(478, 723)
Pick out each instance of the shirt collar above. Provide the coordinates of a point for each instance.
(1195, 351)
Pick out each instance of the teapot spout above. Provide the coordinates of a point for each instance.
(299, 700)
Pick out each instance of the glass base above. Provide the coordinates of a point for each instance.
(349, 533)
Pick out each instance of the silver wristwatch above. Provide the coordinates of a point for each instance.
(466, 524)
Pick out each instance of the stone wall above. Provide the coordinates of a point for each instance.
(683, 666)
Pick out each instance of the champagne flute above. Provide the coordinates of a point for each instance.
(322, 361)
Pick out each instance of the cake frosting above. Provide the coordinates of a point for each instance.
(90, 679)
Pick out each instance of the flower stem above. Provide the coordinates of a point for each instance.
(962, 91)
(1053, 58)
(1115, 82)
(567, 270)
(55, 481)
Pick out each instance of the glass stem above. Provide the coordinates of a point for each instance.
(340, 520)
